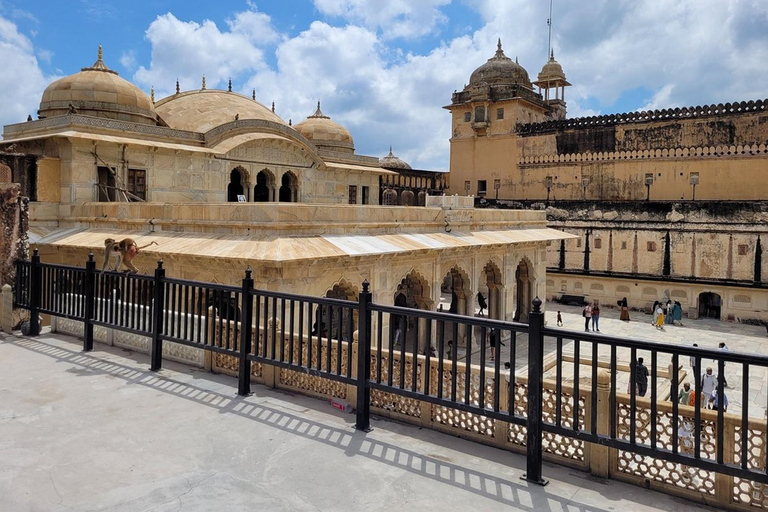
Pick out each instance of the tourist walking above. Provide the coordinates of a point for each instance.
(668, 318)
(655, 310)
(641, 377)
(715, 403)
(587, 314)
(559, 319)
(659, 318)
(677, 313)
(496, 343)
(596, 317)
(693, 361)
(686, 395)
(708, 382)
(723, 348)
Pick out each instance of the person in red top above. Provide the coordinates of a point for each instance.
(595, 317)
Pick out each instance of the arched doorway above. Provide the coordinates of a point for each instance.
(494, 290)
(288, 188)
(524, 281)
(456, 298)
(338, 322)
(709, 305)
(235, 187)
(262, 189)
(408, 331)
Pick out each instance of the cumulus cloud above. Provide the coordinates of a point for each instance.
(394, 18)
(620, 56)
(187, 50)
(22, 80)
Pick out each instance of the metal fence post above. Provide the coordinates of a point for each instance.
(535, 377)
(158, 314)
(89, 291)
(246, 322)
(36, 294)
(363, 408)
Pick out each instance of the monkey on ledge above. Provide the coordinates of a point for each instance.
(123, 251)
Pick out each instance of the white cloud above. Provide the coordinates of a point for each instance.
(22, 81)
(394, 18)
(187, 50)
(128, 60)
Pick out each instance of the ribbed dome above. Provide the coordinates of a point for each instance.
(500, 69)
(97, 91)
(204, 109)
(325, 133)
(552, 70)
(392, 162)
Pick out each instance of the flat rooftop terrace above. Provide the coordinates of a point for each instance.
(99, 431)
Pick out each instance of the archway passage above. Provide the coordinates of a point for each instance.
(288, 188)
(709, 305)
(235, 187)
(523, 278)
(261, 191)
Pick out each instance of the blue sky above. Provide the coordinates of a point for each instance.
(384, 68)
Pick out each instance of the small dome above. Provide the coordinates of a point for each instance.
(500, 69)
(204, 109)
(392, 162)
(552, 70)
(97, 91)
(325, 133)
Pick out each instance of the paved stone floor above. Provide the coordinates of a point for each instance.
(98, 432)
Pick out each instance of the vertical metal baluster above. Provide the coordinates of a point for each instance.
(339, 336)
(391, 358)
(273, 333)
(613, 405)
(720, 411)
(673, 394)
(593, 392)
(697, 410)
(454, 359)
(350, 339)
(259, 335)
(497, 370)
(186, 319)
(482, 341)
(576, 382)
(324, 309)
(512, 365)
(559, 383)
(468, 366)
(402, 354)
(282, 330)
(309, 330)
(428, 359)
(291, 330)
(301, 332)
(745, 416)
(632, 394)
(440, 357)
(379, 345)
(415, 357)
(205, 311)
(654, 407)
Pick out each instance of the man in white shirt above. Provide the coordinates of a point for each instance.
(708, 383)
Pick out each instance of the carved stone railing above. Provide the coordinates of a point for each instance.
(649, 154)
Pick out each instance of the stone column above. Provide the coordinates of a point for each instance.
(6, 309)
(600, 456)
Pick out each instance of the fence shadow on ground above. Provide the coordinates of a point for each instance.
(354, 443)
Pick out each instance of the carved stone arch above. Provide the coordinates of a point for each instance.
(238, 184)
(495, 284)
(264, 187)
(289, 188)
(340, 322)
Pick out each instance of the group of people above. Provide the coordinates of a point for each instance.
(591, 313)
(668, 313)
(707, 387)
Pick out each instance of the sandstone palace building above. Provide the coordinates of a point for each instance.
(666, 204)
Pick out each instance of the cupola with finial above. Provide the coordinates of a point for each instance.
(552, 83)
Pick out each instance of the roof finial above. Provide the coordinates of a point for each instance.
(552, 54)
(319, 113)
(152, 94)
(177, 86)
(516, 60)
(229, 87)
(498, 45)
(101, 52)
(203, 82)
(273, 106)
(290, 123)
(390, 150)
(253, 95)
(499, 51)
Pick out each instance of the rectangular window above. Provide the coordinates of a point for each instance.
(137, 184)
(499, 113)
(366, 195)
(743, 248)
(651, 246)
(624, 245)
(106, 184)
(578, 242)
(598, 243)
(467, 117)
(353, 194)
(467, 186)
(482, 187)
(479, 114)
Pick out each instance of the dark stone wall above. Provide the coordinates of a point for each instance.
(14, 224)
(602, 138)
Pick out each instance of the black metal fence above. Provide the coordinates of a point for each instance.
(485, 367)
